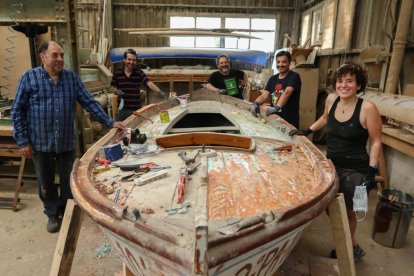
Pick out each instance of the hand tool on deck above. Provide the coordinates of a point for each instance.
(188, 160)
(103, 161)
(192, 168)
(131, 167)
(181, 185)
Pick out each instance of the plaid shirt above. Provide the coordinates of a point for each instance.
(43, 112)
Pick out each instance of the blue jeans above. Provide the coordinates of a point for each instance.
(45, 164)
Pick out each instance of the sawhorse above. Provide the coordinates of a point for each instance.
(343, 244)
(67, 241)
(13, 201)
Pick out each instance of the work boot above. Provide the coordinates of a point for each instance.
(358, 252)
(53, 225)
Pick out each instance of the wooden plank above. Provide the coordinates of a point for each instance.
(68, 238)
(18, 184)
(400, 145)
(342, 236)
(382, 170)
(10, 153)
(191, 139)
(191, 33)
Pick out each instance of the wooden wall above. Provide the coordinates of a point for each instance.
(156, 13)
(362, 31)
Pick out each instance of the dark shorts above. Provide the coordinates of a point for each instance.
(348, 179)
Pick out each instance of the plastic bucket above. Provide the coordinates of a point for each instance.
(392, 218)
(183, 101)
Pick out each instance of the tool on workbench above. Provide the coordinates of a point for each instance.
(149, 177)
(134, 137)
(158, 168)
(181, 185)
(103, 161)
(131, 167)
(188, 160)
(118, 191)
(101, 169)
(192, 168)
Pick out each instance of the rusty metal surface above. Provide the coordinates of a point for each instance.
(39, 11)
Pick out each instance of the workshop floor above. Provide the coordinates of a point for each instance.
(27, 249)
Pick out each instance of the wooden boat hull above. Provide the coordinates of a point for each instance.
(292, 188)
(263, 260)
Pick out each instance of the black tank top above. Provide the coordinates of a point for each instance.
(347, 140)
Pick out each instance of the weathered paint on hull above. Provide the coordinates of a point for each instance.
(263, 260)
(141, 261)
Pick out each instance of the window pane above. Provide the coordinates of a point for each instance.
(241, 43)
(182, 22)
(208, 22)
(263, 24)
(232, 43)
(207, 41)
(179, 41)
(266, 44)
(237, 23)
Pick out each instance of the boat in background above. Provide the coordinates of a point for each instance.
(216, 190)
(240, 55)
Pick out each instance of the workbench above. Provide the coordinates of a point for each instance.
(10, 156)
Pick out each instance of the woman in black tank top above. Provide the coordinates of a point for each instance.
(350, 122)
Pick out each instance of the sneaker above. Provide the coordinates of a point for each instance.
(358, 252)
(53, 225)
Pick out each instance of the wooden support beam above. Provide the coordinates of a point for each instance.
(19, 184)
(342, 236)
(68, 239)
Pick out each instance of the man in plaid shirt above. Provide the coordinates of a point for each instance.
(43, 114)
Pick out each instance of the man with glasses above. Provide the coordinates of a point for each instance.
(227, 81)
(126, 82)
(43, 114)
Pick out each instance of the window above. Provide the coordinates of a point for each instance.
(262, 28)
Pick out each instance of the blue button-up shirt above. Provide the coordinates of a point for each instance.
(43, 112)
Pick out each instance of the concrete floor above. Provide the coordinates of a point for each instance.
(379, 260)
(27, 249)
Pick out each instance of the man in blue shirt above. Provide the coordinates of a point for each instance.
(43, 114)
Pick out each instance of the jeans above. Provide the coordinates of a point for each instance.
(45, 164)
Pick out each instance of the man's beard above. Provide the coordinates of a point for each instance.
(226, 72)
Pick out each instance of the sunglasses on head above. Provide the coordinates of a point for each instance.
(345, 66)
